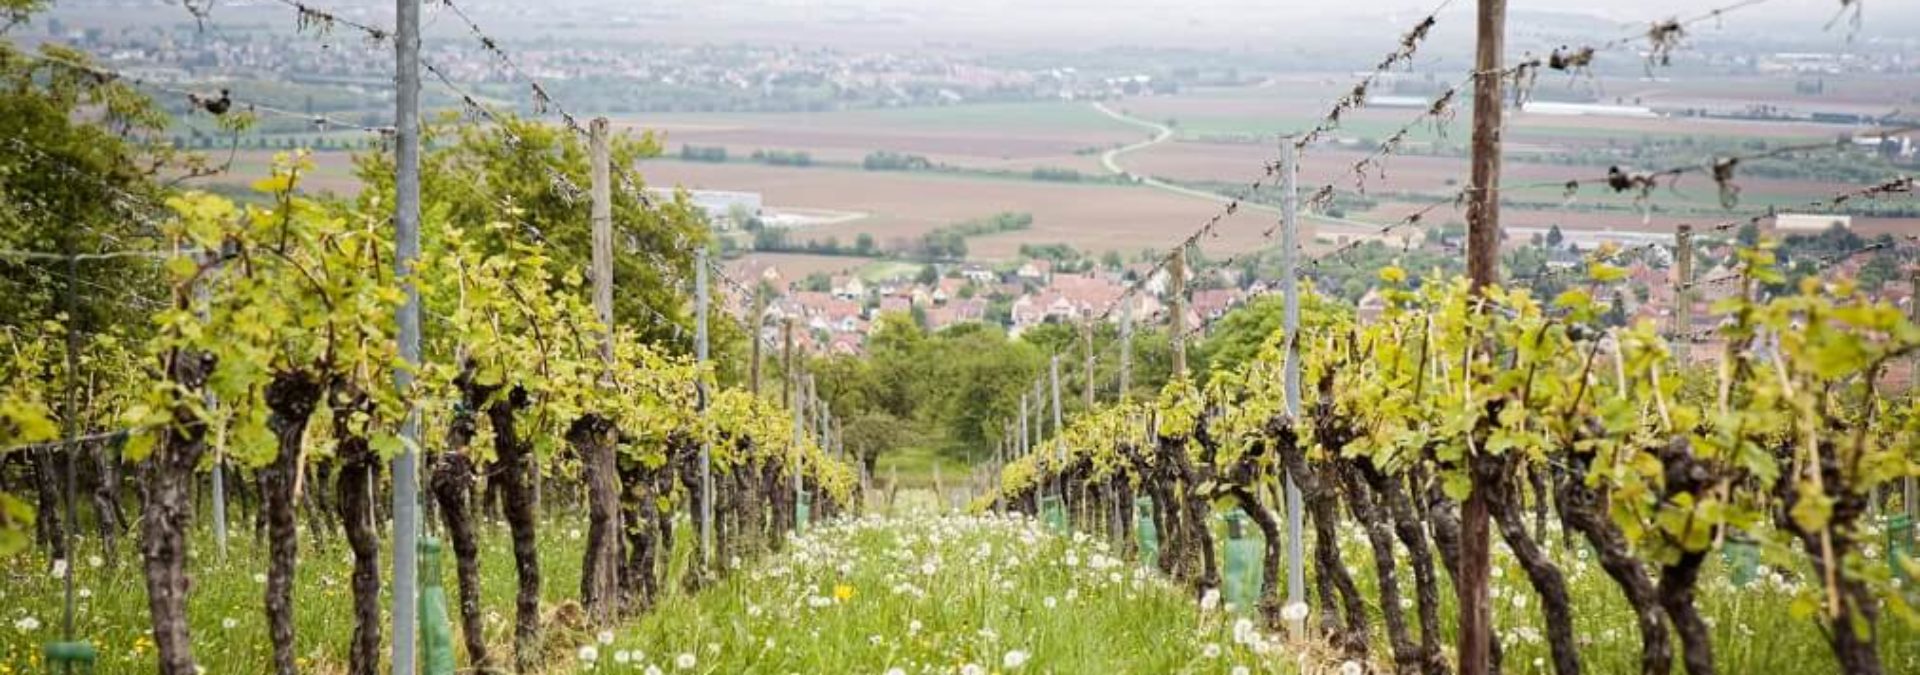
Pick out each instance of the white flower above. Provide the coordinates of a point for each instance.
(1210, 600)
(84, 593)
(588, 654)
(60, 568)
(1352, 668)
(896, 671)
(1243, 632)
(574, 534)
(1013, 659)
(972, 669)
(26, 624)
(914, 626)
(1519, 601)
(653, 670)
(605, 637)
(259, 578)
(685, 661)
(94, 561)
(1211, 650)
(623, 657)
(229, 623)
(1049, 602)
(1241, 670)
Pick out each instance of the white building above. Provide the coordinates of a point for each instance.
(719, 205)
(1810, 223)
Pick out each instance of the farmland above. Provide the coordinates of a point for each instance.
(984, 154)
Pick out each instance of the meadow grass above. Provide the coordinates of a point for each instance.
(919, 591)
(925, 593)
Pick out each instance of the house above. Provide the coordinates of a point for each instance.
(893, 304)
(948, 289)
(979, 274)
(1036, 270)
(846, 344)
(849, 287)
(1212, 304)
(1370, 307)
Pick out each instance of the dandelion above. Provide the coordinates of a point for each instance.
(84, 593)
(1519, 601)
(1210, 600)
(259, 578)
(972, 669)
(623, 657)
(95, 562)
(914, 626)
(588, 654)
(59, 568)
(842, 593)
(1243, 632)
(685, 661)
(653, 670)
(26, 624)
(1241, 670)
(605, 637)
(1352, 668)
(896, 671)
(229, 623)
(1049, 602)
(1211, 650)
(1013, 659)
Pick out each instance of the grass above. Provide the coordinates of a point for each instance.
(846, 597)
(924, 593)
(226, 603)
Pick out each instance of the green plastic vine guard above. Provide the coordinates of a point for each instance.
(436, 627)
(70, 658)
(1900, 544)
(1054, 515)
(802, 514)
(1143, 529)
(1242, 563)
(1742, 556)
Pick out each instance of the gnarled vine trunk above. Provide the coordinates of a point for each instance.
(516, 493)
(1377, 526)
(594, 438)
(291, 398)
(166, 479)
(1411, 530)
(354, 498)
(1503, 504)
(1582, 510)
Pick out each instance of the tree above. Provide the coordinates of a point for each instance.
(534, 176)
(929, 275)
(863, 244)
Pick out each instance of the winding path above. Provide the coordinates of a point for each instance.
(1110, 160)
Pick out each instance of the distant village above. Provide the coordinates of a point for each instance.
(838, 313)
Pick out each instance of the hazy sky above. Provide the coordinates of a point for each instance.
(1239, 24)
